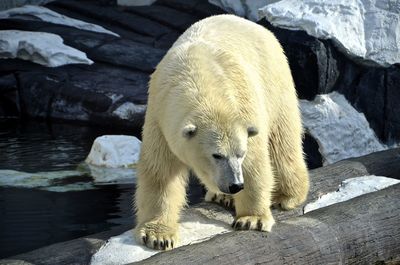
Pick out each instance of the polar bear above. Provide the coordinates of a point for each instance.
(222, 103)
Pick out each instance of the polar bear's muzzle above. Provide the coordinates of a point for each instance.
(230, 179)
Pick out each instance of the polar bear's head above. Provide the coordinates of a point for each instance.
(215, 148)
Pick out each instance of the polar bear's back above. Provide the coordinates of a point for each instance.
(227, 61)
(236, 35)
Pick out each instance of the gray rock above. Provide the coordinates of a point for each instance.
(368, 31)
(243, 8)
(42, 13)
(88, 94)
(39, 47)
(128, 21)
(128, 53)
(9, 105)
(135, 2)
(164, 15)
(314, 63)
(7, 4)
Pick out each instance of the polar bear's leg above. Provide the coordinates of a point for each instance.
(287, 158)
(252, 204)
(160, 193)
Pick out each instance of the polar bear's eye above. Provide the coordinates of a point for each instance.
(252, 131)
(218, 156)
(189, 131)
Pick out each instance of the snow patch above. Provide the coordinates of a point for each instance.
(114, 151)
(351, 188)
(51, 181)
(123, 249)
(339, 129)
(105, 175)
(366, 29)
(243, 8)
(39, 47)
(45, 14)
(128, 110)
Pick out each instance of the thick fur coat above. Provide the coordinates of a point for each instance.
(222, 103)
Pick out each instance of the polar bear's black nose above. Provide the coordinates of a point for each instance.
(235, 188)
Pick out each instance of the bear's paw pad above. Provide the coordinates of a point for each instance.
(222, 199)
(157, 236)
(259, 223)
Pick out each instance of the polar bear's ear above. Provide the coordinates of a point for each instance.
(252, 131)
(189, 130)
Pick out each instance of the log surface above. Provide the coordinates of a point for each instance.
(364, 230)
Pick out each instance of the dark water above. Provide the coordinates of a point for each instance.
(32, 218)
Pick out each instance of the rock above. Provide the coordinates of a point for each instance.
(7, 4)
(314, 63)
(372, 25)
(165, 15)
(39, 47)
(9, 105)
(319, 68)
(129, 21)
(129, 54)
(30, 12)
(128, 109)
(244, 8)
(79, 39)
(311, 151)
(392, 108)
(88, 94)
(135, 2)
(115, 50)
(197, 8)
(375, 92)
(114, 151)
(110, 25)
(183, 5)
(341, 131)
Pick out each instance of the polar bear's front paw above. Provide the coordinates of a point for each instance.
(290, 202)
(157, 236)
(260, 223)
(222, 199)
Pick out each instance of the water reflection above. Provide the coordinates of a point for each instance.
(35, 217)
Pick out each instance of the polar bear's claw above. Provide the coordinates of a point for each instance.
(222, 199)
(157, 236)
(259, 223)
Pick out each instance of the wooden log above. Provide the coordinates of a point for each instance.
(323, 180)
(364, 230)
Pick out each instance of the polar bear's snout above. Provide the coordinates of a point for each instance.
(230, 179)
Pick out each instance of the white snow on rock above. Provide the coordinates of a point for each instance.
(39, 47)
(123, 249)
(114, 151)
(45, 14)
(351, 188)
(105, 175)
(51, 181)
(364, 29)
(341, 131)
(128, 110)
(243, 8)
(135, 2)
